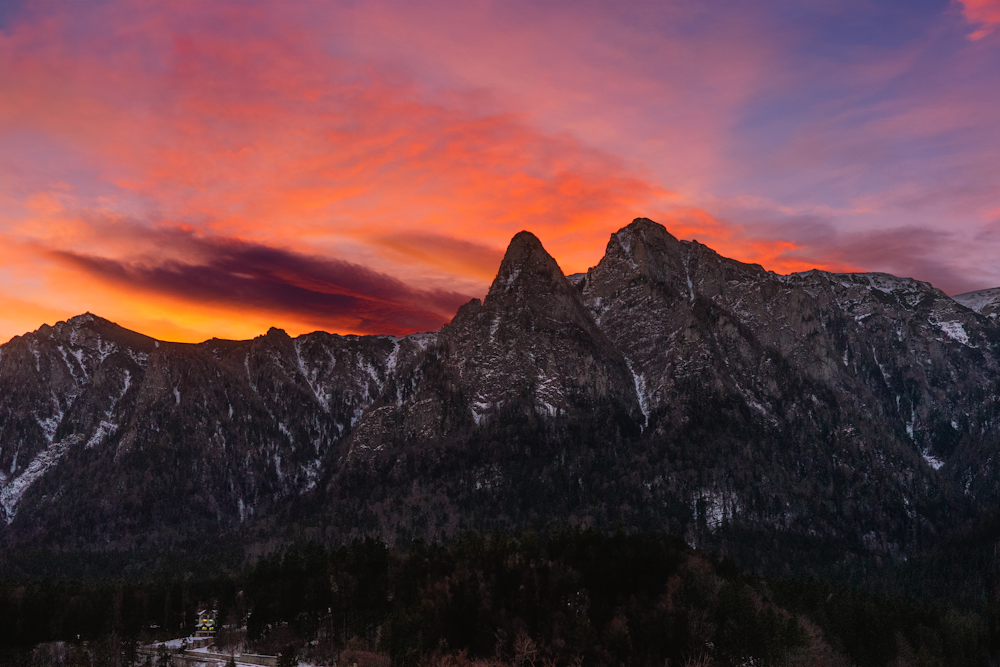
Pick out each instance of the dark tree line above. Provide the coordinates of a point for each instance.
(572, 598)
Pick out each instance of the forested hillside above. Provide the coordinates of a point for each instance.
(574, 598)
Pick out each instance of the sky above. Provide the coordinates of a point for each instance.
(211, 169)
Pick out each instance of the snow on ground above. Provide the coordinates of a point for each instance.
(719, 507)
(175, 643)
(907, 290)
(640, 390)
(393, 358)
(955, 331)
(105, 350)
(932, 461)
(979, 300)
(11, 494)
(104, 429)
(423, 340)
(310, 376)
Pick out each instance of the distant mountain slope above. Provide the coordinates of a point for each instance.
(985, 302)
(668, 389)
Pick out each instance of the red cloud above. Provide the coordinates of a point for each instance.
(985, 14)
(258, 135)
(243, 126)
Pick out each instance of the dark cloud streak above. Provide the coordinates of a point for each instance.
(235, 273)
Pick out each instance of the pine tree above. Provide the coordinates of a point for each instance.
(163, 660)
(287, 658)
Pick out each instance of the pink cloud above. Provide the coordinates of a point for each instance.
(984, 14)
(257, 135)
(412, 141)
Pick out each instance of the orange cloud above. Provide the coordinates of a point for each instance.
(214, 182)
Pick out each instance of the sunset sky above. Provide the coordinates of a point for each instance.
(200, 169)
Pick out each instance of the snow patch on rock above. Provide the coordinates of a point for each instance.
(932, 461)
(103, 430)
(955, 331)
(640, 391)
(718, 507)
(44, 461)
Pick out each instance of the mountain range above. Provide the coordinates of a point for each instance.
(667, 390)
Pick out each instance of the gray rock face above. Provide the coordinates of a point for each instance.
(531, 347)
(112, 435)
(667, 389)
(858, 391)
(533, 341)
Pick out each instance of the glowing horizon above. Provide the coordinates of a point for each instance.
(199, 170)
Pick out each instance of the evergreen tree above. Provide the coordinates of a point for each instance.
(163, 658)
(287, 658)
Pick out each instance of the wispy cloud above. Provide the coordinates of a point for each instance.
(258, 136)
(142, 142)
(983, 14)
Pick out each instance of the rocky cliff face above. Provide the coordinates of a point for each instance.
(668, 389)
(820, 403)
(110, 436)
(531, 347)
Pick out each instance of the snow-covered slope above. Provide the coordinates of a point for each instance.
(986, 302)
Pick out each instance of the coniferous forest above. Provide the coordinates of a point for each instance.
(569, 598)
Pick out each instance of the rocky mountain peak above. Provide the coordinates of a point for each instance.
(645, 244)
(642, 250)
(526, 267)
(532, 342)
(635, 238)
(85, 318)
(529, 287)
(277, 334)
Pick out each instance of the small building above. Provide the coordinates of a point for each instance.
(205, 624)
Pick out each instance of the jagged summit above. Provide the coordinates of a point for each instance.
(85, 318)
(530, 284)
(533, 341)
(646, 249)
(642, 238)
(523, 246)
(525, 268)
(643, 226)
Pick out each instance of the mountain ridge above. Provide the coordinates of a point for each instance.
(668, 389)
